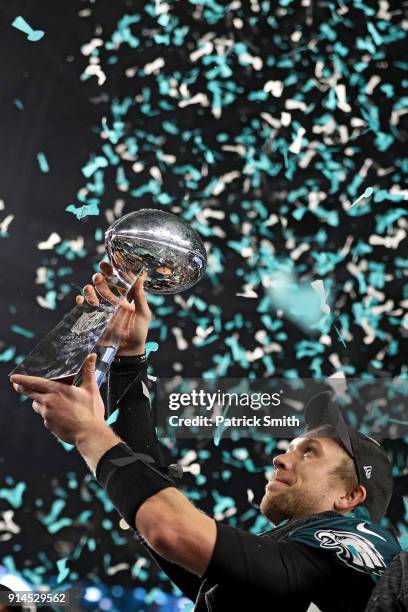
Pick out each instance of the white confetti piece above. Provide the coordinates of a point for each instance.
(154, 67)
(295, 104)
(337, 380)
(274, 87)
(318, 286)
(96, 70)
(131, 71)
(118, 208)
(396, 190)
(203, 333)
(161, 7)
(188, 458)
(140, 563)
(342, 103)
(138, 167)
(156, 174)
(384, 11)
(372, 84)
(257, 353)
(182, 344)
(7, 524)
(206, 49)
(93, 44)
(248, 292)
(240, 149)
(368, 330)
(50, 243)
(117, 568)
(307, 156)
(327, 128)
(4, 225)
(193, 469)
(387, 307)
(297, 143)
(77, 244)
(389, 242)
(44, 303)
(296, 253)
(286, 118)
(41, 275)
(220, 516)
(197, 99)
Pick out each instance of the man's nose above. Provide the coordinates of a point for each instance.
(283, 462)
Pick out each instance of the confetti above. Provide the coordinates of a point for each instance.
(32, 35)
(277, 132)
(42, 162)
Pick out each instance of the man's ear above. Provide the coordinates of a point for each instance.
(352, 499)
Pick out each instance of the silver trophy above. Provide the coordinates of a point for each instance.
(152, 242)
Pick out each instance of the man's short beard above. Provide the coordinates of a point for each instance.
(288, 505)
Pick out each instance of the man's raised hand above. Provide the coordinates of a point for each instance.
(131, 320)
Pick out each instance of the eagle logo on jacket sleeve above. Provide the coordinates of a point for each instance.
(352, 549)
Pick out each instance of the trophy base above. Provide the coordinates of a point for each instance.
(62, 352)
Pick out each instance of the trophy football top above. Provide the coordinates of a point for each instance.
(160, 243)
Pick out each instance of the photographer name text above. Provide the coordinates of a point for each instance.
(244, 421)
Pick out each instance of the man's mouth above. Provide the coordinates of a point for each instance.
(274, 482)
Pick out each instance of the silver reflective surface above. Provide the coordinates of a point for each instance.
(171, 252)
(159, 242)
(63, 350)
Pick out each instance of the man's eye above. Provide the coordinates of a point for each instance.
(309, 449)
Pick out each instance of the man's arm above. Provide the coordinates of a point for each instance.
(167, 520)
(177, 531)
(169, 523)
(127, 391)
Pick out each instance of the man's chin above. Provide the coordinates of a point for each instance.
(272, 509)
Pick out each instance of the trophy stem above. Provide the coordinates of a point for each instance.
(109, 343)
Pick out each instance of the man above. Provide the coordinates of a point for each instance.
(326, 496)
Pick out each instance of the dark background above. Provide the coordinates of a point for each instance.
(253, 222)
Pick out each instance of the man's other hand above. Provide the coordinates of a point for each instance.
(71, 413)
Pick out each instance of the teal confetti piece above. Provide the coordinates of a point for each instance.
(63, 522)
(151, 347)
(14, 495)
(81, 212)
(42, 162)
(113, 417)
(32, 35)
(56, 508)
(63, 570)
(22, 331)
(8, 354)
(367, 194)
(8, 562)
(66, 446)
(93, 165)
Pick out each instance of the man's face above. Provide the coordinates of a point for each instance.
(303, 482)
